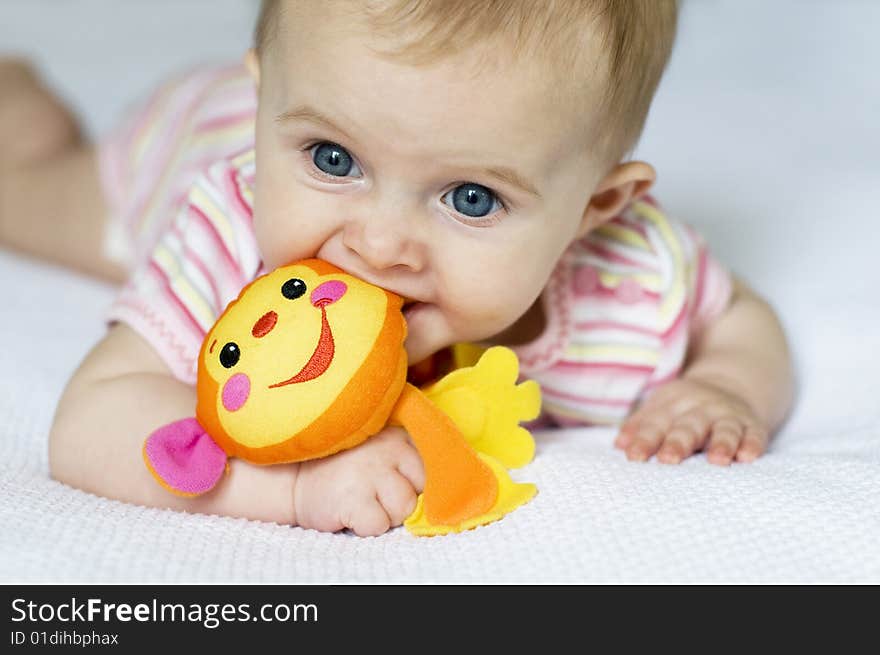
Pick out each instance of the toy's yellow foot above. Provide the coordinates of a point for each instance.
(487, 405)
(510, 496)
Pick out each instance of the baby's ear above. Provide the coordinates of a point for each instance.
(623, 184)
(252, 63)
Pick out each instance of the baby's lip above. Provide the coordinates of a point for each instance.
(411, 305)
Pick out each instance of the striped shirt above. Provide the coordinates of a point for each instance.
(621, 305)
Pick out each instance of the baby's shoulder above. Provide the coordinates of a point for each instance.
(643, 240)
(639, 263)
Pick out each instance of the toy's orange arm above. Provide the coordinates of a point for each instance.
(458, 484)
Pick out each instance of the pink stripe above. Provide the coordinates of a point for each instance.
(701, 280)
(677, 324)
(198, 88)
(166, 282)
(568, 422)
(666, 378)
(159, 157)
(613, 325)
(610, 293)
(233, 189)
(635, 226)
(609, 255)
(651, 200)
(147, 115)
(561, 323)
(193, 257)
(223, 121)
(233, 264)
(136, 312)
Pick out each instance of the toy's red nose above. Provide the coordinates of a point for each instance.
(265, 324)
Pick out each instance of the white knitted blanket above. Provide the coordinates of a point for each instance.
(808, 511)
(770, 150)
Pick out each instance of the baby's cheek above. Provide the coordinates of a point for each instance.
(289, 224)
(481, 313)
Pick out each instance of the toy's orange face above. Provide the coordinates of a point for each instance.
(299, 363)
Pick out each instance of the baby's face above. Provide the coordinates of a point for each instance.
(454, 184)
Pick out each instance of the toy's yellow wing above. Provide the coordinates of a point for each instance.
(487, 405)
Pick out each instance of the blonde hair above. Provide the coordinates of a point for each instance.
(637, 37)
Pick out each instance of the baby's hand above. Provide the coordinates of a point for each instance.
(685, 416)
(368, 489)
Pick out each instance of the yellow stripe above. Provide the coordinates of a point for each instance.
(613, 353)
(241, 128)
(674, 297)
(650, 281)
(151, 124)
(218, 218)
(185, 147)
(245, 158)
(623, 234)
(188, 295)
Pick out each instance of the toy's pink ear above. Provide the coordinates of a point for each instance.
(184, 458)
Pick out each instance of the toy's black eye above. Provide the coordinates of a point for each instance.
(229, 355)
(293, 288)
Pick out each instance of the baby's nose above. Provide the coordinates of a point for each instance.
(328, 293)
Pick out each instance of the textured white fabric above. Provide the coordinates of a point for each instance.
(808, 511)
(765, 139)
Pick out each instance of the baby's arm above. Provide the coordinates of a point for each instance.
(735, 391)
(123, 391)
(119, 395)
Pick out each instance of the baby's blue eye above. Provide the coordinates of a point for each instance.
(472, 200)
(334, 160)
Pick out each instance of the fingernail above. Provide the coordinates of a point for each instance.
(636, 455)
(718, 457)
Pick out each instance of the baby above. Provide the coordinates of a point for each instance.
(468, 156)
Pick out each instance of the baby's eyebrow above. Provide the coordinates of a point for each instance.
(509, 176)
(311, 115)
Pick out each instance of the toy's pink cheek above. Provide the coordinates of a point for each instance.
(236, 392)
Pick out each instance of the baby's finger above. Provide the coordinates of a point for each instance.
(367, 519)
(727, 433)
(397, 496)
(687, 435)
(412, 468)
(630, 426)
(626, 432)
(647, 438)
(753, 445)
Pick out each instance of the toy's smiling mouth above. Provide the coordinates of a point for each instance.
(324, 295)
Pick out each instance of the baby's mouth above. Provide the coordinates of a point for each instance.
(411, 306)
